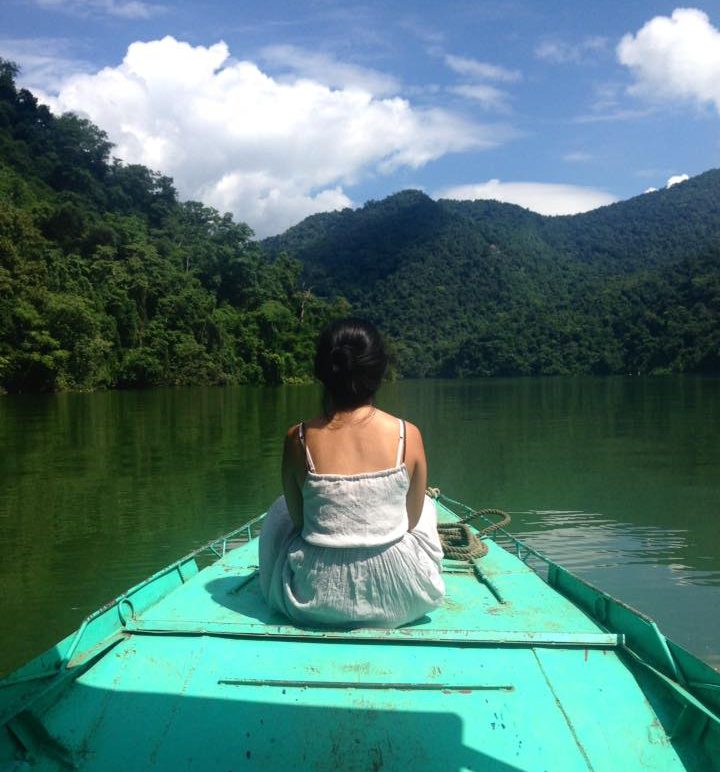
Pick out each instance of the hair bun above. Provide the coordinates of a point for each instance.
(341, 359)
(350, 361)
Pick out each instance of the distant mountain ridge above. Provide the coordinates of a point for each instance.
(686, 213)
(483, 287)
(108, 280)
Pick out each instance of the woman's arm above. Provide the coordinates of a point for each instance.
(293, 467)
(417, 467)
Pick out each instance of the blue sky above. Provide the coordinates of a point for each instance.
(275, 110)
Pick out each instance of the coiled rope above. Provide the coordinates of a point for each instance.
(460, 541)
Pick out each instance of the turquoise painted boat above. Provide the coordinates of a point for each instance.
(518, 670)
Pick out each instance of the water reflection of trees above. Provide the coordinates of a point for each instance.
(101, 489)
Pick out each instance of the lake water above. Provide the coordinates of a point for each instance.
(100, 490)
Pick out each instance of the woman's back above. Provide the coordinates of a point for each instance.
(353, 505)
(366, 440)
(354, 539)
(352, 442)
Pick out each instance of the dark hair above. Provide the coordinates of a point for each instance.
(350, 362)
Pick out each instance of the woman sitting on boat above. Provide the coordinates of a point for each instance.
(353, 542)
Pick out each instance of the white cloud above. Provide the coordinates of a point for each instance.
(271, 151)
(612, 115)
(609, 105)
(607, 96)
(481, 70)
(559, 52)
(126, 9)
(487, 96)
(328, 70)
(540, 197)
(44, 62)
(270, 200)
(676, 179)
(675, 58)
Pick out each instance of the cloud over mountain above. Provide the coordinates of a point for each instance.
(270, 149)
(676, 179)
(540, 197)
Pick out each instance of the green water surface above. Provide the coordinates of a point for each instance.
(618, 479)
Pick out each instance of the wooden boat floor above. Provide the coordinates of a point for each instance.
(501, 600)
(481, 684)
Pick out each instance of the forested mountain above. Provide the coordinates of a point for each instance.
(485, 288)
(106, 279)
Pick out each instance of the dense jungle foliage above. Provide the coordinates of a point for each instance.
(485, 288)
(107, 280)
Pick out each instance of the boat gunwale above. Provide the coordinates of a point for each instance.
(74, 662)
(67, 660)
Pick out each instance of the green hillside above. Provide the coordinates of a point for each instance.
(485, 288)
(108, 280)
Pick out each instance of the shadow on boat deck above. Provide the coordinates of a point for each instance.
(194, 671)
(224, 591)
(108, 729)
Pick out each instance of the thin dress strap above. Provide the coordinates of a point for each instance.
(308, 457)
(401, 444)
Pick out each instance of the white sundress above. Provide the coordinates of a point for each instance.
(355, 564)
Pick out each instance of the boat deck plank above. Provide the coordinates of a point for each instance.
(507, 675)
(226, 596)
(212, 702)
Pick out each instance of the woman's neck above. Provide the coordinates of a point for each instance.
(353, 415)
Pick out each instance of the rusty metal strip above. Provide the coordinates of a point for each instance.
(378, 685)
(401, 635)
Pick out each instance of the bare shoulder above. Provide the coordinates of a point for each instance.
(293, 446)
(391, 419)
(412, 433)
(412, 429)
(414, 436)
